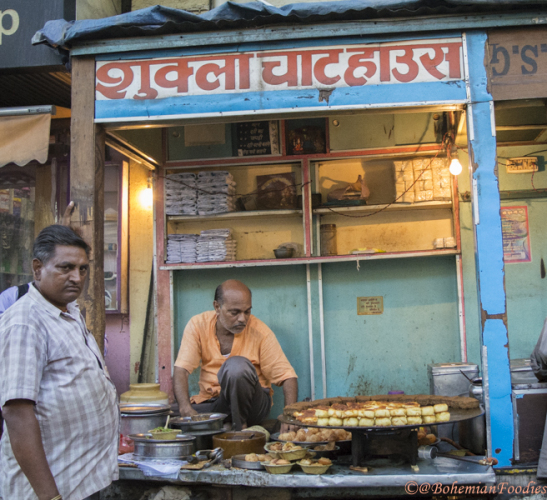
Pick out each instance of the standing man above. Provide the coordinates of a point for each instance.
(58, 402)
(240, 359)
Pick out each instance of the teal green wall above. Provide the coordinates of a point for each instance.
(526, 291)
(365, 354)
(279, 299)
(376, 354)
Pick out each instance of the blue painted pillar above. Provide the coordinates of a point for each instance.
(489, 252)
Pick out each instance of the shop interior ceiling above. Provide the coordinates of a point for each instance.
(35, 89)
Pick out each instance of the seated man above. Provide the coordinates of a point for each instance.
(240, 359)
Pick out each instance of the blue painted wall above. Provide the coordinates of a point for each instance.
(526, 291)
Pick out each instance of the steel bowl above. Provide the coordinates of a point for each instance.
(283, 253)
(147, 448)
(200, 422)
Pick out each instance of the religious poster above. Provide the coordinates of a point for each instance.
(516, 235)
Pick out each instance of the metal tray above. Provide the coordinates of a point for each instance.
(456, 415)
(207, 422)
(134, 409)
(239, 461)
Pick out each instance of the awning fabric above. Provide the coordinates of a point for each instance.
(24, 138)
(158, 20)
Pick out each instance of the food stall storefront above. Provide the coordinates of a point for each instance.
(344, 120)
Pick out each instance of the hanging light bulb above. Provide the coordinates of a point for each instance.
(146, 196)
(455, 166)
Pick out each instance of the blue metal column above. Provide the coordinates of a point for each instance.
(489, 253)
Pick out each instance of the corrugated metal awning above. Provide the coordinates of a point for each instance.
(24, 134)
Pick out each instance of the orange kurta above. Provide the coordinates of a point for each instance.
(257, 343)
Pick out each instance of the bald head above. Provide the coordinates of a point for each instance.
(232, 288)
(233, 303)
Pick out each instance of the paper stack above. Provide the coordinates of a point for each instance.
(216, 192)
(180, 194)
(181, 248)
(422, 179)
(442, 190)
(216, 245)
(404, 178)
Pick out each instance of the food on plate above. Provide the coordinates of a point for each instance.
(251, 457)
(414, 412)
(325, 447)
(324, 461)
(276, 446)
(363, 411)
(160, 429)
(300, 436)
(289, 436)
(428, 411)
(306, 461)
(414, 420)
(442, 417)
(317, 435)
(399, 421)
(278, 461)
(351, 422)
(383, 421)
(366, 422)
(290, 447)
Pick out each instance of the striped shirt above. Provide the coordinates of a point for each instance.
(49, 357)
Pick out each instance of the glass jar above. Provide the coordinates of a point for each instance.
(328, 239)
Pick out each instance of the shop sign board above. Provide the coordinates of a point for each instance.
(19, 21)
(324, 69)
(517, 63)
(370, 305)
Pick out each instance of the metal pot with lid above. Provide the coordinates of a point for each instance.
(147, 448)
(139, 419)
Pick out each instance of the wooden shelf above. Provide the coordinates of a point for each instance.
(234, 215)
(312, 260)
(425, 205)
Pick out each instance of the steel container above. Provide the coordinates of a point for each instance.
(149, 449)
(451, 379)
(521, 372)
(139, 419)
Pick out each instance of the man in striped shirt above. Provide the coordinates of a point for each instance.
(58, 402)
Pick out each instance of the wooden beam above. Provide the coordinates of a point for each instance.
(87, 189)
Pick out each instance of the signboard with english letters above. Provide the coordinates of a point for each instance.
(517, 63)
(19, 21)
